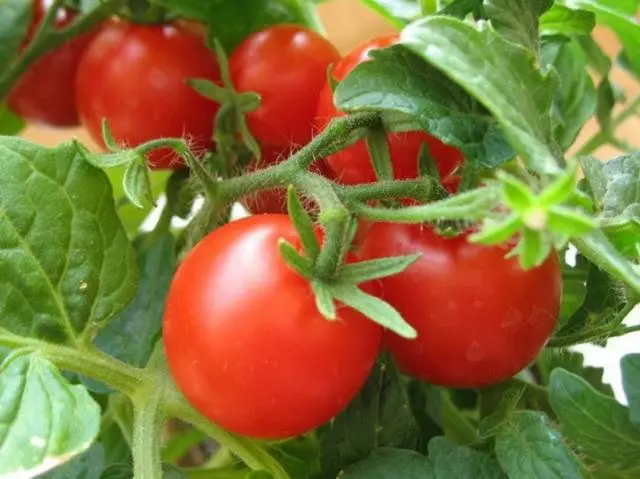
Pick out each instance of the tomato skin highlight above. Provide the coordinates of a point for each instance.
(46, 93)
(246, 344)
(135, 77)
(480, 317)
(353, 165)
(286, 65)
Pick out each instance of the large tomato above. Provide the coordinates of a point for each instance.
(246, 343)
(480, 317)
(135, 77)
(46, 92)
(287, 65)
(352, 165)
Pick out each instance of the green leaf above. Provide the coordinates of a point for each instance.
(427, 407)
(233, 21)
(398, 12)
(136, 184)
(619, 15)
(528, 447)
(373, 308)
(606, 101)
(596, 424)
(576, 99)
(559, 20)
(85, 466)
(300, 456)
(598, 59)
(14, 23)
(630, 365)
(574, 287)
(448, 460)
(303, 224)
(573, 362)
(65, 258)
(10, 123)
(482, 62)
(518, 20)
(130, 335)
(604, 301)
(399, 81)
(46, 421)
(379, 416)
(385, 463)
(364, 271)
(462, 8)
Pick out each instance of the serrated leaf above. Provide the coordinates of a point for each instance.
(46, 421)
(619, 15)
(398, 12)
(518, 20)
(559, 20)
(364, 271)
(573, 362)
(136, 184)
(448, 460)
(373, 308)
(232, 22)
(10, 123)
(397, 80)
(130, 335)
(384, 463)
(523, 109)
(14, 23)
(596, 424)
(379, 416)
(87, 465)
(576, 99)
(528, 447)
(630, 365)
(65, 259)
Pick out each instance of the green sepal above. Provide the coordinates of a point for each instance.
(303, 225)
(363, 271)
(301, 265)
(517, 193)
(136, 184)
(378, 148)
(324, 300)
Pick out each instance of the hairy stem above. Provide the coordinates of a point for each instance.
(147, 433)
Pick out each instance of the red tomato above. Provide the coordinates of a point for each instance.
(246, 344)
(273, 201)
(480, 317)
(287, 65)
(352, 165)
(46, 92)
(135, 76)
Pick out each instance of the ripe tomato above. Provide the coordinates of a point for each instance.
(273, 201)
(135, 76)
(352, 165)
(287, 65)
(46, 92)
(246, 344)
(480, 317)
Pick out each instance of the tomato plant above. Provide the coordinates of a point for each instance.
(287, 66)
(386, 310)
(267, 363)
(480, 317)
(134, 76)
(351, 165)
(45, 93)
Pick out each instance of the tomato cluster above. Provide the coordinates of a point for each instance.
(244, 339)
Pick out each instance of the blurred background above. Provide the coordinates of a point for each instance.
(348, 23)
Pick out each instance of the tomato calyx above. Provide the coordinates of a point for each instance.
(230, 121)
(347, 283)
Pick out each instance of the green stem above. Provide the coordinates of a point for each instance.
(456, 424)
(95, 364)
(249, 452)
(419, 189)
(475, 204)
(603, 137)
(47, 39)
(148, 420)
(280, 175)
